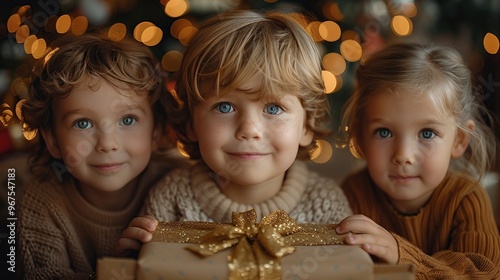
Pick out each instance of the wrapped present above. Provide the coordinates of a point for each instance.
(275, 248)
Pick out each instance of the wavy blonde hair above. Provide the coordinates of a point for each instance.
(231, 48)
(426, 71)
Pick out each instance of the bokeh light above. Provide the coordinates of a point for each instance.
(491, 43)
(186, 34)
(354, 149)
(38, 48)
(22, 33)
(329, 31)
(117, 32)
(178, 25)
(351, 50)
(5, 114)
(332, 11)
(322, 151)
(19, 106)
(313, 30)
(334, 63)
(139, 29)
(28, 43)
(329, 80)
(401, 25)
(13, 23)
(63, 24)
(176, 8)
(171, 61)
(79, 25)
(29, 135)
(152, 36)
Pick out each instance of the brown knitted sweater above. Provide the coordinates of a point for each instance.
(454, 236)
(61, 235)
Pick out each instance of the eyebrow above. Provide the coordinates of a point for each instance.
(122, 107)
(420, 121)
(117, 108)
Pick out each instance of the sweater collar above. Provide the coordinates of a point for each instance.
(220, 208)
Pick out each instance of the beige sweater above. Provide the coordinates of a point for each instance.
(453, 236)
(192, 195)
(61, 235)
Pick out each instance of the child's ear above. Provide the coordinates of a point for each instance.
(462, 140)
(307, 137)
(51, 143)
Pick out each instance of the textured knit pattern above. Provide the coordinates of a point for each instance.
(454, 236)
(192, 195)
(61, 235)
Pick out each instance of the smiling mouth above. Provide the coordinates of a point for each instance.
(402, 179)
(108, 167)
(247, 155)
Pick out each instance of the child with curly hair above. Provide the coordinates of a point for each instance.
(99, 107)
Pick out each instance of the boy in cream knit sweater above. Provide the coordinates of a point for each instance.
(250, 100)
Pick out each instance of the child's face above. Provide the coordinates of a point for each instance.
(247, 141)
(103, 137)
(408, 146)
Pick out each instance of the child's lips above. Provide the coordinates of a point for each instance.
(248, 155)
(402, 178)
(108, 166)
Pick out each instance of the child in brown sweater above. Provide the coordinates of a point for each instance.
(99, 107)
(417, 121)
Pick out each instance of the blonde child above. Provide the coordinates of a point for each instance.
(99, 106)
(251, 99)
(416, 119)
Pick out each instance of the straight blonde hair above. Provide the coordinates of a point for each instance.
(233, 47)
(426, 71)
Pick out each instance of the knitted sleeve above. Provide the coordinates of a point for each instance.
(163, 199)
(473, 238)
(446, 264)
(44, 238)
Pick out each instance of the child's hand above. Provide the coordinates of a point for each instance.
(138, 231)
(372, 238)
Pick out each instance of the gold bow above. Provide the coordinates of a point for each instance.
(258, 246)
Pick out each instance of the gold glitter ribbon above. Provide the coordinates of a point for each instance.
(258, 247)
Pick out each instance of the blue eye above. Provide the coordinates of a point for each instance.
(384, 133)
(82, 124)
(129, 120)
(428, 134)
(224, 107)
(273, 109)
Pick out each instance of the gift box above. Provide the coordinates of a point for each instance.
(173, 261)
(275, 248)
(109, 268)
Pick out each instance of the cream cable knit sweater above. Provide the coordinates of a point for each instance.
(192, 195)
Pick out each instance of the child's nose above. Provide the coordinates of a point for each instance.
(107, 142)
(249, 127)
(404, 152)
